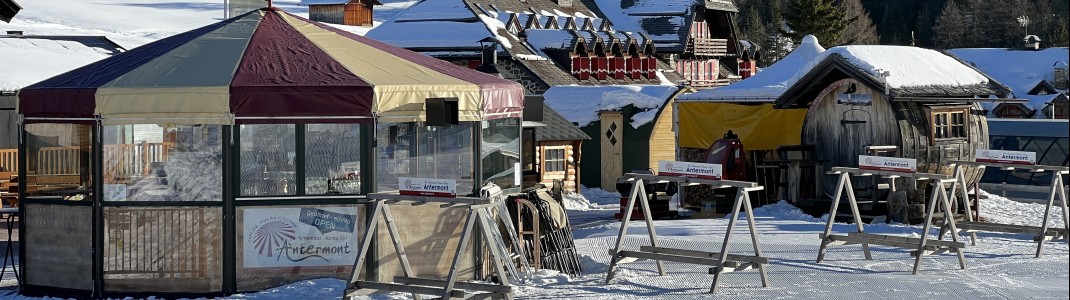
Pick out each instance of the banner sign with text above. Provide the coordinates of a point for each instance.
(882, 163)
(689, 169)
(299, 237)
(1006, 157)
(427, 187)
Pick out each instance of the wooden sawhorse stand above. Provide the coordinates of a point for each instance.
(479, 214)
(720, 262)
(1042, 232)
(923, 246)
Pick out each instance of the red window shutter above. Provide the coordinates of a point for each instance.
(601, 67)
(650, 67)
(585, 68)
(634, 66)
(618, 67)
(576, 67)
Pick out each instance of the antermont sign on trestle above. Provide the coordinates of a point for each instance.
(689, 169)
(1006, 157)
(427, 187)
(882, 163)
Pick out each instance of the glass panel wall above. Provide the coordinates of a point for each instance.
(415, 150)
(332, 159)
(163, 163)
(268, 159)
(500, 151)
(274, 157)
(59, 161)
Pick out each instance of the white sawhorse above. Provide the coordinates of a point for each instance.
(922, 246)
(720, 262)
(1042, 232)
(479, 214)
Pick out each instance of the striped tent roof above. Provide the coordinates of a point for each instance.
(266, 66)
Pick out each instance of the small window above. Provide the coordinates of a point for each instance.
(950, 124)
(555, 160)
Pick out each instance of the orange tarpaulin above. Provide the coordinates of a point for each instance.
(760, 127)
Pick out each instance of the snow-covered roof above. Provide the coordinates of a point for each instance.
(323, 2)
(433, 24)
(665, 21)
(32, 59)
(581, 104)
(771, 82)
(438, 10)
(905, 66)
(1020, 70)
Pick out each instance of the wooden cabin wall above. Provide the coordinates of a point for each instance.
(357, 14)
(570, 176)
(840, 132)
(933, 155)
(662, 137)
(327, 13)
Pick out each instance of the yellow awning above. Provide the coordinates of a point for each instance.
(760, 127)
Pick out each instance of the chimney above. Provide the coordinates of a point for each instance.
(14, 32)
(564, 3)
(1032, 42)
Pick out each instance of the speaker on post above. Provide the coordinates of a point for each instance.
(442, 111)
(533, 108)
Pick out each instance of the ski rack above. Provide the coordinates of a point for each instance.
(479, 215)
(922, 246)
(721, 262)
(1042, 232)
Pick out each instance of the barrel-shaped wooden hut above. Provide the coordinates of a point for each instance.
(918, 103)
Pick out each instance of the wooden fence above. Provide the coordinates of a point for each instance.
(125, 161)
(121, 161)
(177, 247)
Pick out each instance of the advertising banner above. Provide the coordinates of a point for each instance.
(882, 163)
(1006, 157)
(299, 237)
(689, 169)
(427, 187)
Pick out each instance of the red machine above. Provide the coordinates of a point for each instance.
(728, 152)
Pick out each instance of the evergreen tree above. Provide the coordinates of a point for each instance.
(860, 28)
(776, 45)
(822, 18)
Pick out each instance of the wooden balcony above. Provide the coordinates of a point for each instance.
(706, 47)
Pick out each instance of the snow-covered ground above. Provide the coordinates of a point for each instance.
(1001, 266)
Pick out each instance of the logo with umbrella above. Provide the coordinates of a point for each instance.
(273, 234)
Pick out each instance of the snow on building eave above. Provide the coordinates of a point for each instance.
(593, 99)
(769, 84)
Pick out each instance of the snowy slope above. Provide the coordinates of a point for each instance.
(133, 23)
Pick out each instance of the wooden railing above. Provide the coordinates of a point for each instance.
(57, 160)
(124, 161)
(9, 160)
(708, 47)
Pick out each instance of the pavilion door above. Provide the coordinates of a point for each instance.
(612, 136)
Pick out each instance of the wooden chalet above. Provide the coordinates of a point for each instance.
(1038, 76)
(344, 12)
(592, 43)
(551, 150)
(923, 106)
